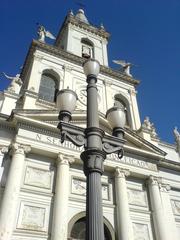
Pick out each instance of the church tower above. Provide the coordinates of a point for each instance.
(42, 193)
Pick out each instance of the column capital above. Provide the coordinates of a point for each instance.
(5, 149)
(121, 173)
(153, 180)
(65, 159)
(19, 148)
(164, 187)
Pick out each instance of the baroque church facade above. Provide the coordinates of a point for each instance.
(43, 187)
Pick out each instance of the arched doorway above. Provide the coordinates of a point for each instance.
(77, 228)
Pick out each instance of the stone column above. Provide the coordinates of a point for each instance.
(158, 212)
(170, 219)
(9, 202)
(125, 229)
(60, 209)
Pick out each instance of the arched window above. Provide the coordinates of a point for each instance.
(79, 229)
(48, 87)
(87, 48)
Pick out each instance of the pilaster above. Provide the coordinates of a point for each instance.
(60, 209)
(125, 229)
(158, 210)
(12, 189)
(166, 202)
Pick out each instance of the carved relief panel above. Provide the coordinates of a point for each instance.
(176, 207)
(137, 197)
(141, 231)
(38, 177)
(33, 217)
(79, 188)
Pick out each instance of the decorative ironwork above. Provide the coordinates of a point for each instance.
(77, 136)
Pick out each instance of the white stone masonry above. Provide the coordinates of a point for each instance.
(60, 210)
(12, 188)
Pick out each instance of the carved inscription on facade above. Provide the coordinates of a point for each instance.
(141, 231)
(33, 218)
(67, 144)
(38, 177)
(176, 207)
(135, 162)
(137, 197)
(79, 187)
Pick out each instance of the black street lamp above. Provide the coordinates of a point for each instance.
(96, 144)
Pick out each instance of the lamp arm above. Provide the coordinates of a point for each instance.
(110, 148)
(77, 139)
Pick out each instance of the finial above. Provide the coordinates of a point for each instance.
(102, 26)
(71, 12)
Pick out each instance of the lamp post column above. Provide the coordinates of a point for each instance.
(93, 158)
(60, 209)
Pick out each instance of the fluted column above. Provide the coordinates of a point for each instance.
(12, 189)
(60, 209)
(125, 230)
(158, 211)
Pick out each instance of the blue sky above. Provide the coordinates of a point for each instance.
(144, 32)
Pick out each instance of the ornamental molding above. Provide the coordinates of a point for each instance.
(44, 131)
(7, 127)
(40, 130)
(18, 148)
(57, 52)
(164, 187)
(142, 140)
(153, 180)
(11, 94)
(71, 20)
(121, 173)
(45, 103)
(65, 159)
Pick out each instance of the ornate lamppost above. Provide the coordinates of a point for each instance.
(96, 144)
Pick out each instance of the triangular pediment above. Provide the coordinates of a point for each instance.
(49, 119)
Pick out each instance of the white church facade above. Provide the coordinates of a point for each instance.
(42, 184)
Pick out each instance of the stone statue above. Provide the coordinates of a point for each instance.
(177, 139)
(42, 33)
(150, 128)
(125, 66)
(15, 84)
(147, 124)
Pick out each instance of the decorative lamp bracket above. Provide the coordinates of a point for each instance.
(72, 133)
(113, 144)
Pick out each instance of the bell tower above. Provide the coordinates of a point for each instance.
(79, 37)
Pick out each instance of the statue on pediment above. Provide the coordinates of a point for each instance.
(149, 127)
(42, 33)
(125, 66)
(147, 124)
(177, 139)
(15, 84)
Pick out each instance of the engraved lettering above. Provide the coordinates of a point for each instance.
(38, 137)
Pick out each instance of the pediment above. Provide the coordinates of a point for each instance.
(49, 118)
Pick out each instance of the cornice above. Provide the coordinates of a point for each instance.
(70, 19)
(164, 163)
(53, 50)
(16, 122)
(4, 125)
(145, 142)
